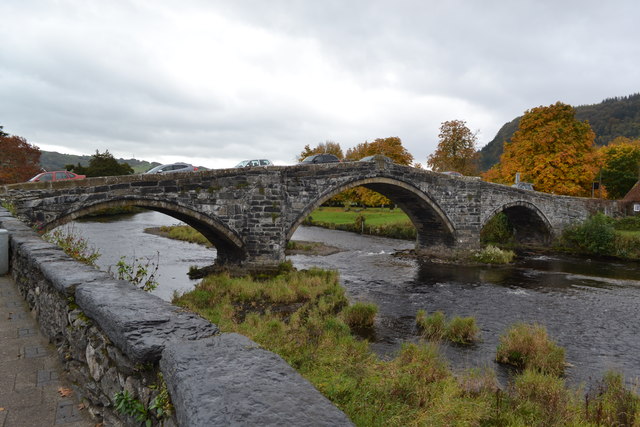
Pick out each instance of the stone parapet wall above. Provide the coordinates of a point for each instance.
(112, 337)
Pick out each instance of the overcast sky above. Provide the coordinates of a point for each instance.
(216, 82)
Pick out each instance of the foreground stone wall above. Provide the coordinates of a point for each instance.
(112, 337)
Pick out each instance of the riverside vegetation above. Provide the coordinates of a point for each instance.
(305, 317)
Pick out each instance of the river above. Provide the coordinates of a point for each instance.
(590, 307)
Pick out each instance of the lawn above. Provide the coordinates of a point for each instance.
(373, 216)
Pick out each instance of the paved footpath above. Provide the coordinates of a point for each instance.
(32, 382)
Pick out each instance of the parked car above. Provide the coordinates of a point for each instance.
(252, 163)
(320, 158)
(452, 173)
(173, 167)
(376, 158)
(56, 176)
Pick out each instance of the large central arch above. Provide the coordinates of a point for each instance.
(229, 246)
(433, 227)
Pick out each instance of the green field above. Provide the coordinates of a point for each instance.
(373, 216)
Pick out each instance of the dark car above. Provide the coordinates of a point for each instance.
(173, 167)
(252, 163)
(376, 158)
(320, 158)
(56, 176)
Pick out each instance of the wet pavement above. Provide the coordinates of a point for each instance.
(33, 388)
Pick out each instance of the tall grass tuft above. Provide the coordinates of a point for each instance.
(360, 315)
(610, 402)
(529, 347)
(462, 330)
(432, 326)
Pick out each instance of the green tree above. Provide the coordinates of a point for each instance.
(102, 164)
(456, 150)
(19, 160)
(621, 166)
(2, 133)
(551, 149)
(323, 147)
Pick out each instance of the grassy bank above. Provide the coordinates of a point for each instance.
(304, 317)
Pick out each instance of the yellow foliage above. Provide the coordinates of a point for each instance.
(552, 150)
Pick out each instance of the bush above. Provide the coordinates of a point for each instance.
(431, 326)
(627, 245)
(494, 255)
(360, 315)
(595, 236)
(462, 330)
(73, 245)
(528, 346)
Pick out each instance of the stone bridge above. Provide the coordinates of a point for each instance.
(250, 214)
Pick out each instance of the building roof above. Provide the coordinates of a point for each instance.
(634, 194)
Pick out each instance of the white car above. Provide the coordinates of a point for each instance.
(253, 163)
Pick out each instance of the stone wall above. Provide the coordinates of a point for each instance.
(112, 337)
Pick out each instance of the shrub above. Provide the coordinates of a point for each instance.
(628, 223)
(462, 330)
(431, 326)
(528, 346)
(497, 230)
(494, 255)
(627, 245)
(360, 315)
(594, 236)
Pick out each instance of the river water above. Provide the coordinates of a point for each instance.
(590, 307)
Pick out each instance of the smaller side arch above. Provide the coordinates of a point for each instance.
(229, 246)
(531, 225)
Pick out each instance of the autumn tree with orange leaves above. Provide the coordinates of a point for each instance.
(19, 160)
(390, 147)
(456, 150)
(551, 149)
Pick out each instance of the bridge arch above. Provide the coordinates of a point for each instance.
(433, 226)
(530, 224)
(229, 246)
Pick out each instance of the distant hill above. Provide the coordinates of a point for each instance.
(51, 160)
(609, 119)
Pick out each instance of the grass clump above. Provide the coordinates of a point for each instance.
(528, 346)
(461, 330)
(360, 315)
(185, 233)
(432, 326)
(494, 255)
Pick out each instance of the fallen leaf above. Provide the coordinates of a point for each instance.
(65, 392)
(81, 406)
(1, 409)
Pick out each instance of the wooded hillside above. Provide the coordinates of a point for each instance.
(609, 119)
